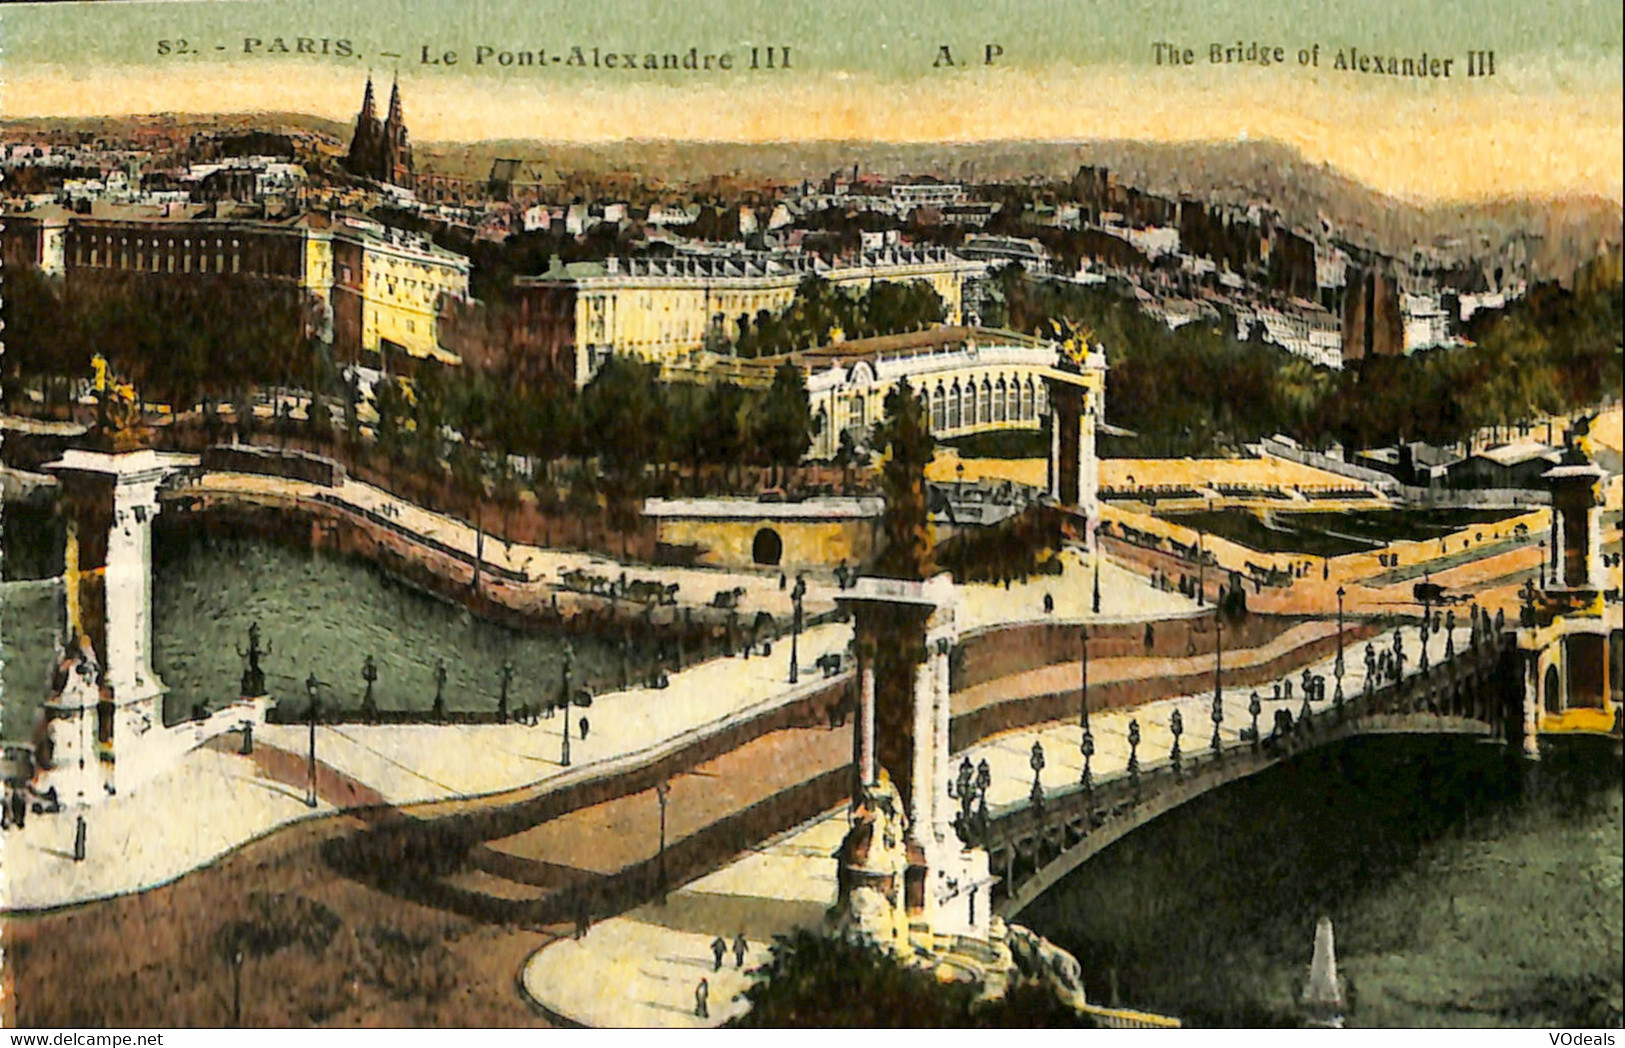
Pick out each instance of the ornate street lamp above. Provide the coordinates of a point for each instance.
(310, 691)
(662, 792)
(1217, 714)
(1134, 756)
(1086, 742)
(1201, 572)
(1337, 667)
(984, 780)
(796, 595)
(963, 790)
(1543, 563)
(564, 702)
(1176, 724)
(1094, 602)
(502, 696)
(1255, 707)
(1086, 746)
(369, 673)
(1036, 761)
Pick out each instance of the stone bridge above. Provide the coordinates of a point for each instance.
(1036, 842)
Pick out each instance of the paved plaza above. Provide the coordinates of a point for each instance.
(208, 804)
(641, 969)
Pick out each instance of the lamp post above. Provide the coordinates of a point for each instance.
(1086, 741)
(1036, 762)
(369, 673)
(1542, 563)
(796, 595)
(984, 779)
(502, 696)
(1094, 601)
(1201, 572)
(1217, 715)
(237, 989)
(564, 703)
(1134, 756)
(1176, 725)
(310, 691)
(662, 792)
(1337, 666)
(1255, 707)
(963, 790)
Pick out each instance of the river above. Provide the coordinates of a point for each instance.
(1466, 890)
(318, 613)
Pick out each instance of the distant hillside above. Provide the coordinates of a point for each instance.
(1565, 231)
(1568, 230)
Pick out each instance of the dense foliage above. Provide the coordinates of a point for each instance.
(1199, 389)
(821, 310)
(814, 980)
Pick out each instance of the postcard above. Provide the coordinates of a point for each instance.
(811, 514)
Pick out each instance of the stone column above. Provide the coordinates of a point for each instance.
(1531, 705)
(942, 771)
(922, 778)
(866, 715)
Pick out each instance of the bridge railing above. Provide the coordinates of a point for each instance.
(1018, 835)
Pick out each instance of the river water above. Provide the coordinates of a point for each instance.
(318, 613)
(1465, 889)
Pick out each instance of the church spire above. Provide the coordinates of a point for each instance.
(366, 103)
(395, 118)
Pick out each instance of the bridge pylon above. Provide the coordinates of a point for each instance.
(906, 876)
(1568, 637)
(107, 700)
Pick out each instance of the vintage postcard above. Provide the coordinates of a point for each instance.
(810, 514)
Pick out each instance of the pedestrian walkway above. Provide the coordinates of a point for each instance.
(429, 762)
(543, 568)
(1124, 595)
(641, 969)
(208, 804)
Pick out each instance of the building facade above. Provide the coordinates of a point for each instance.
(663, 310)
(383, 290)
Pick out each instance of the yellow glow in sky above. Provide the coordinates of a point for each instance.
(1544, 133)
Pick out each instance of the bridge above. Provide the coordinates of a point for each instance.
(1033, 843)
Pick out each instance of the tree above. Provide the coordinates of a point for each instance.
(906, 437)
(724, 440)
(785, 420)
(622, 410)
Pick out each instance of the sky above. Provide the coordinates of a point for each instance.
(1547, 123)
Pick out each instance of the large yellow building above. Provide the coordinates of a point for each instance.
(661, 310)
(389, 288)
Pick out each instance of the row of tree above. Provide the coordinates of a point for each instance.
(822, 312)
(179, 341)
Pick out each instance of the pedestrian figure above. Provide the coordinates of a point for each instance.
(719, 947)
(702, 994)
(584, 727)
(739, 951)
(583, 920)
(1049, 604)
(782, 581)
